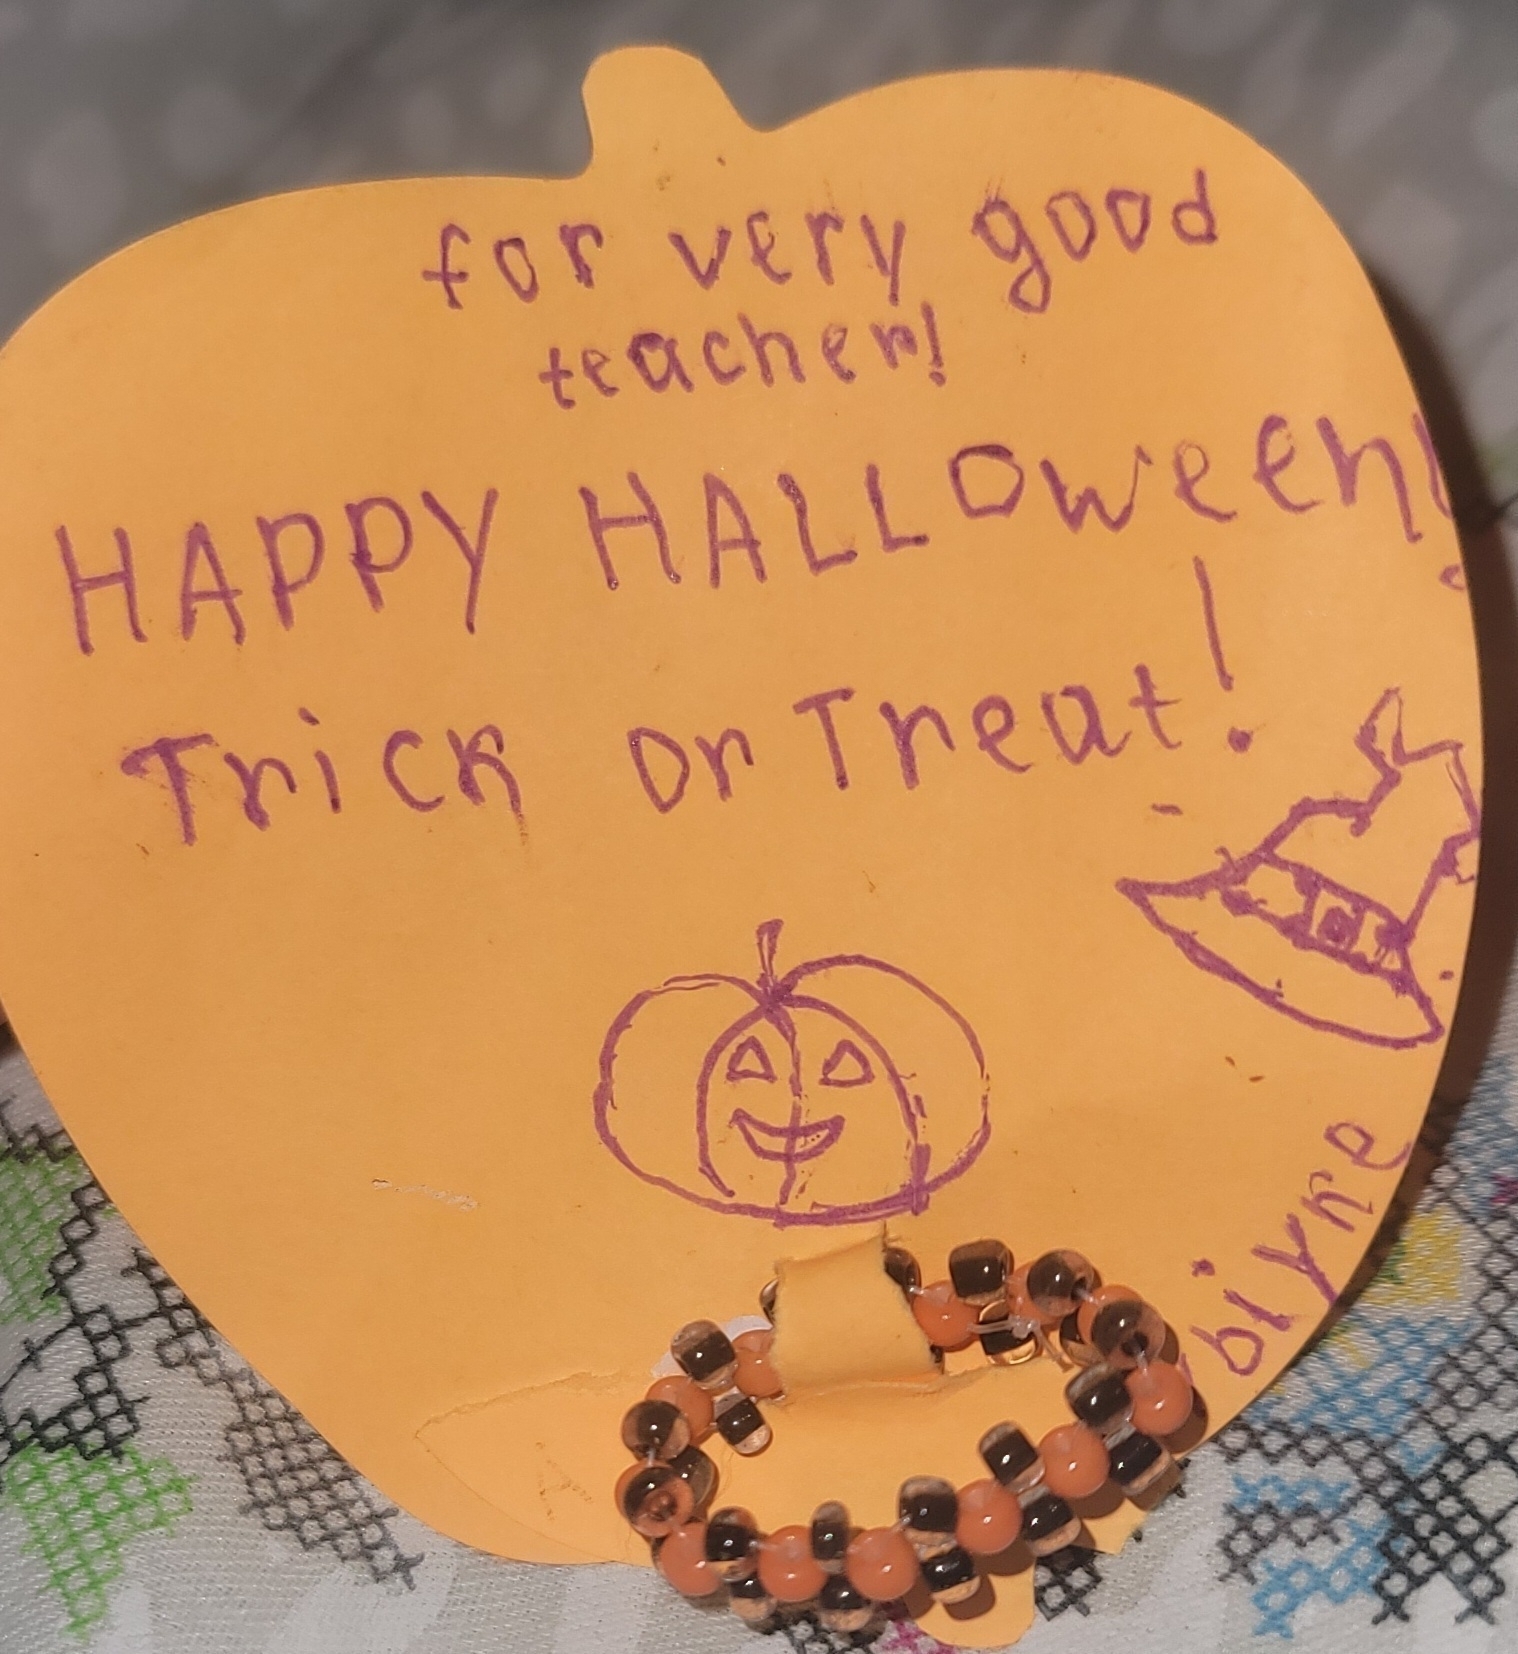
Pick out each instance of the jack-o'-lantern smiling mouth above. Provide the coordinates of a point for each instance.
(804, 1140)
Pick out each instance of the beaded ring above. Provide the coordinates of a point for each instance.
(1124, 1397)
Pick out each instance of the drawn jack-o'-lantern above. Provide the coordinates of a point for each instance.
(844, 1090)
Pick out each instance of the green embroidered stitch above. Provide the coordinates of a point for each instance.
(81, 1513)
(34, 1203)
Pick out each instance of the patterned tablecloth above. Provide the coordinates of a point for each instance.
(156, 1496)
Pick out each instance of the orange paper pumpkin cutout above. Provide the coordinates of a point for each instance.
(574, 744)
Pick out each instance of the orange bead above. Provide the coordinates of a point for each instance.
(787, 1568)
(757, 1374)
(881, 1564)
(682, 1561)
(947, 1321)
(689, 1397)
(1098, 1300)
(1075, 1461)
(1162, 1398)
(990, 1518)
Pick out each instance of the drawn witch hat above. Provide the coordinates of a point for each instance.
(1293, 922)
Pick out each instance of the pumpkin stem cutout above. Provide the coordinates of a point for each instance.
(845, 1090)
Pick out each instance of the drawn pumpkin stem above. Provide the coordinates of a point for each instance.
(768, 938)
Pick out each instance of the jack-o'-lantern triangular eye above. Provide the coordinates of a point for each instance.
(750, 1061)
(848, 1065)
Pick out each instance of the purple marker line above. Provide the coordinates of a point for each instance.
(798, 1141)
(1210, 615)
(1348, 929)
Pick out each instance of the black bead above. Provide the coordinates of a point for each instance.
(738, 1419)
(1128, 1327)
(1008, 1453)
(1132, 1456)
(710, 1356)
(1099, 1401)
(840, 1597)
(948, 1569)
(830, 1533)
(749, 1589)
(1004, 1339)
(901, 1266)
(1045, 1515)
(1051, 1277)
(729, 1540)
(928, 1505)
(1072, 1342)
(767, 1295)
(651, 1426)
(979, 1270)
(694, 1467)
(643, 1487)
